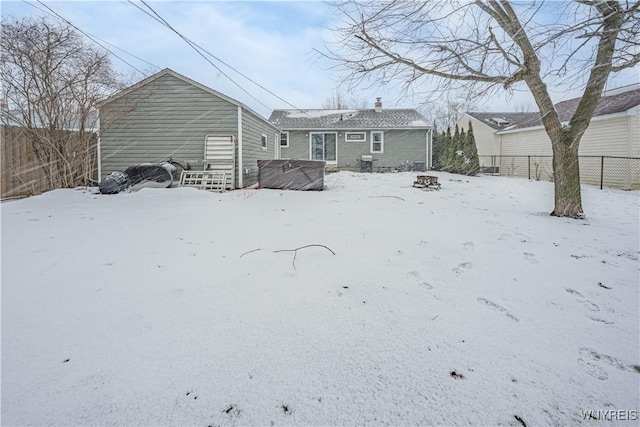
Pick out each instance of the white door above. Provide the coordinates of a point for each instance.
(220, 156)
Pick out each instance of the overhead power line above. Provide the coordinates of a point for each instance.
(199, 49)
(93, 38)
(195, 47)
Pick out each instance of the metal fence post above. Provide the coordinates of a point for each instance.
(601, 171)
(529, 164)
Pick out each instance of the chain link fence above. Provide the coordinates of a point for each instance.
(622, 173)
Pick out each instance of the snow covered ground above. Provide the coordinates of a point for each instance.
(469, 305)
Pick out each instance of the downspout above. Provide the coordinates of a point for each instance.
(429, 158)
(240, 167)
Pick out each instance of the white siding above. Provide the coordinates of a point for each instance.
(616, 136)
(487, 142)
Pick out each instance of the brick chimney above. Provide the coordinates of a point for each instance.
(378, 105)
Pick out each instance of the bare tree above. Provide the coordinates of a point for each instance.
(52, 82)
(481, 46)
(337, 101)
(444, 113)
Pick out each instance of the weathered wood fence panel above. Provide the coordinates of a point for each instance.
(21, 175)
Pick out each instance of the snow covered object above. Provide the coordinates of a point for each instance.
(140, 176)
(114, 183)
(150, 175)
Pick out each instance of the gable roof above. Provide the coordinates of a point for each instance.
(500, 121)
(348, 119)
(612, 104)
(170, 72)
(617, 102)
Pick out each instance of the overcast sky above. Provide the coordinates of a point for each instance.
(271, 42)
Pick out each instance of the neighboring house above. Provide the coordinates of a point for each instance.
(614, 131)
(170, 115)
(394, 138)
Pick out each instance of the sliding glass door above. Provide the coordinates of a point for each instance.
(324, 146)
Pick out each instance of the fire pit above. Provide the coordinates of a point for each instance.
(428, 182)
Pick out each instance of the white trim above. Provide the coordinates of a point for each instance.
(264, 142)
(280, 139)
(347, 133)
(429, 158)
(99, 147)
(381, 132)
(329, 162)
(240, 167)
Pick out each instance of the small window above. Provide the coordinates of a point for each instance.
(377, 142)
(284, 139)
(355, 136)
(264, 141)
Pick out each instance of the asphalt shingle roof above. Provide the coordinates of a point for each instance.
(611, 104)
(348, 119)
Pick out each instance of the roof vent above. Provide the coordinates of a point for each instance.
(499, 121)
(378, 105)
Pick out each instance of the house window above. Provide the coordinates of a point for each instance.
(284, 139)
(264, 141)
(377, 142)
(355, 136)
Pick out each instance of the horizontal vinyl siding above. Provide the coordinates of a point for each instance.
(399, 146)
(528, 143)
(252, 129)
(612, 137)
(606, 138)
(534, 142)
(165, 118)
(617, 137)
(487, 141)
(298, 146)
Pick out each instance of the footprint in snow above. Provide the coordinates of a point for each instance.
(593, 370)
(590, 360)
(597, 319)
(499, 308)
(530, 257)
(414, 275)
(462, 267)
(468, 245)
(582, 300)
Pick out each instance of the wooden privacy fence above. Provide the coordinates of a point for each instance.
(622, 173)
(21, 174)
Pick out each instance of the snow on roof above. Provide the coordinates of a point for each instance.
(348, 119)
(615, 101)
(313, 114)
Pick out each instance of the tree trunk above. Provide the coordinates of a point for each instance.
(566, 177)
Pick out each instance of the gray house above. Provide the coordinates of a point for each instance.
(169, 115)
(350, 139)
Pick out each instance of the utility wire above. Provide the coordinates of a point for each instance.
(195, 47)
(93, 38)
(201, 49)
